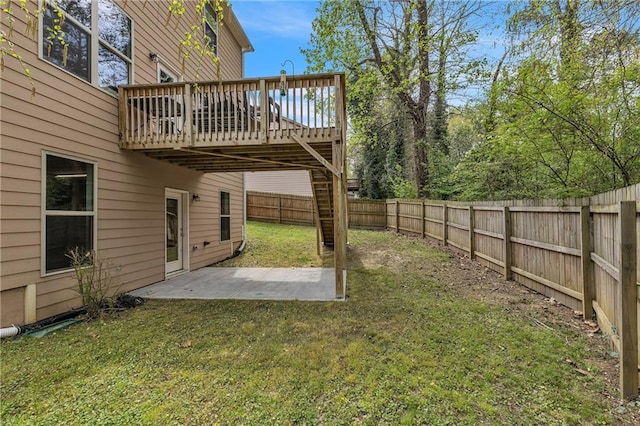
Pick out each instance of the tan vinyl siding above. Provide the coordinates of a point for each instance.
(227, 46)
(294, 182)
(71, 117)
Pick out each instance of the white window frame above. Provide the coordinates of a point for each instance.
(225, 215)
(162, 65)
(44, 212)
(94, 43)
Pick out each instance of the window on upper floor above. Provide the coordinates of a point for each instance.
(167, 74)
(90, 39)
(211, 29)
(69, 203)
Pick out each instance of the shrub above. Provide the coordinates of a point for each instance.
(94, 282)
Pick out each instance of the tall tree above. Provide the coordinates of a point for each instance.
(405, 48)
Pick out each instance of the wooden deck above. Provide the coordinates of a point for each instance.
(249, 125)
(242, 125)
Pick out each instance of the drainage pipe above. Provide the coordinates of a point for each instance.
(10, 331)
(15, 330)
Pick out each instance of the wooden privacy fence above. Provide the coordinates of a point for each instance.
(585, 252)
(585, 255)
(299, 210)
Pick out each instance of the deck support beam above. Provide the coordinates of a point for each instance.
(315, 154)
(244, 157)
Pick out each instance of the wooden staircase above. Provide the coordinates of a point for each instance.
(322, 185)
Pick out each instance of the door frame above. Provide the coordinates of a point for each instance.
(183, 205)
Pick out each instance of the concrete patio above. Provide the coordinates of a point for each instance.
(312, 284)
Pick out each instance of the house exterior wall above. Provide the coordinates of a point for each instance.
(70, 117)
(294, 182)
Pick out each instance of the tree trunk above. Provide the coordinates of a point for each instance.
(420, 154)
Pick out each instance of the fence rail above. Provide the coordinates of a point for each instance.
(585, 253)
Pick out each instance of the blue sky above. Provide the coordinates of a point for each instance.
(277, 30)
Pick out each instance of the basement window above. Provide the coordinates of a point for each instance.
(69, 200)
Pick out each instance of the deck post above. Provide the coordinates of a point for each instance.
(122, 116)
(339, 247)
(188, 107)
(627, 296)
(339, 190)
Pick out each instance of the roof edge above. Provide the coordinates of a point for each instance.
(236, 29)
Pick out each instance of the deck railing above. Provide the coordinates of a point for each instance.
(243, 111)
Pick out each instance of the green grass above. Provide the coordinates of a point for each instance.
(404, 348)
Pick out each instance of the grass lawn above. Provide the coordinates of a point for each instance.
(407, 347)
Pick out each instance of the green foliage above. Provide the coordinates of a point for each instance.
(590, 110)
(491, 171)
(440, 186)
(564, 108)
(560, 117)
(391, 52)
(401, 187)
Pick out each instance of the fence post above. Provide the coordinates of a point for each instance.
(386, 218)
(397, 216)
(313, 218)
(586, 247)
(422, 226)
(279, 209)
(506, 247)
(445, 228)
(627, 295)
(472, 234)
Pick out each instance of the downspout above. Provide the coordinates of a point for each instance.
(244, 189)
(244, 50)
(244, 213)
